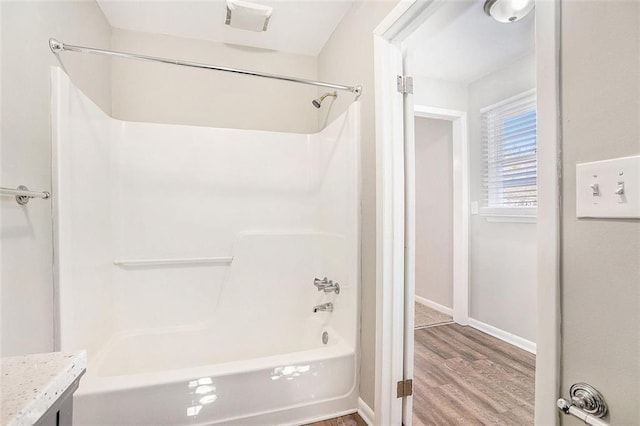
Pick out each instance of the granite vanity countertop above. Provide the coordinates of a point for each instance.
(31, 384)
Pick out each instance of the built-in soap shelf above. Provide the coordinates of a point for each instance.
(174, 261)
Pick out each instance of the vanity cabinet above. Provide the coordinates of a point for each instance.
(38, 389)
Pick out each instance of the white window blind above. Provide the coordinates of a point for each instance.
(509, 154)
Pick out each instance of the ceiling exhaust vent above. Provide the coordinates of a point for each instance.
(248, 16)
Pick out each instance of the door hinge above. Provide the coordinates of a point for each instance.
(405, 388)
(405, 84)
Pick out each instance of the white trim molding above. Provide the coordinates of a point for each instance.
(548, 228)
(365, 412)
(433, 305)
(508, 219)
(505, 336)
(323, 417)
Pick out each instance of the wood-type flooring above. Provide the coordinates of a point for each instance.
(350, 420)
(428, 317)
(465, 377)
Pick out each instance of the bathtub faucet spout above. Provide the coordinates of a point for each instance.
(326, 307)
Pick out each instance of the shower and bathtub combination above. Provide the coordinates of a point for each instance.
(211, 274)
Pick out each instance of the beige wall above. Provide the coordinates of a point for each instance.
(347, 58)
(437, 93)
(503, 260)
(600, 257)
(434, 210)
(145, 91)
(25, 232)
(502, 255)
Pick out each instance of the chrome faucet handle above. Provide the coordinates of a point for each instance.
(335, 287)
(327, 285)
(321, 283)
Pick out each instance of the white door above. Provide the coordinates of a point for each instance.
(390, 297)
(409, 247)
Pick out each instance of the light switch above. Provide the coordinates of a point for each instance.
(609, 188)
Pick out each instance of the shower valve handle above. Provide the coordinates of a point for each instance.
(326, 285)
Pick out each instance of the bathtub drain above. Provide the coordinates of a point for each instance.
(325, 337)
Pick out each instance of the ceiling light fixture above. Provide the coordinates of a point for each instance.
(507, 11)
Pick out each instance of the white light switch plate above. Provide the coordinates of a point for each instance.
(597, 183)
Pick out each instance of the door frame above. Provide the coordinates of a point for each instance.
(390, 207)
(461, 205)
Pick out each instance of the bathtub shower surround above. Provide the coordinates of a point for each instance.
(186, 261)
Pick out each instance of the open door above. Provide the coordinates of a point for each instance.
(395, 293)
(390, 292)
(405, 85)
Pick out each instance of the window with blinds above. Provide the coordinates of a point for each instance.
(509, 154)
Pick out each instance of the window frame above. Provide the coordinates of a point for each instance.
(505, 213)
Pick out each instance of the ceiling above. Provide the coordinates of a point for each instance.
(460, 44)
(301, 27)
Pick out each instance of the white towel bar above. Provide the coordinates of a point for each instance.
(23, 195)
(176, 261)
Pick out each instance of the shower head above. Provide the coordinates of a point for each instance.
(318, 102)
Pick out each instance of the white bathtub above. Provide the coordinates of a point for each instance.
(259, 359)
(283, 386)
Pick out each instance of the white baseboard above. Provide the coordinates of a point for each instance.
(503, 335)
(365, 412)
(433, 305)
(316, 419)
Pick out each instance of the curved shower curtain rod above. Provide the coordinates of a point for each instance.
(58, 46)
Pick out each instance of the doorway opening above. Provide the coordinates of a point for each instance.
(433, 236)
(511, 248)
(475, 315)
